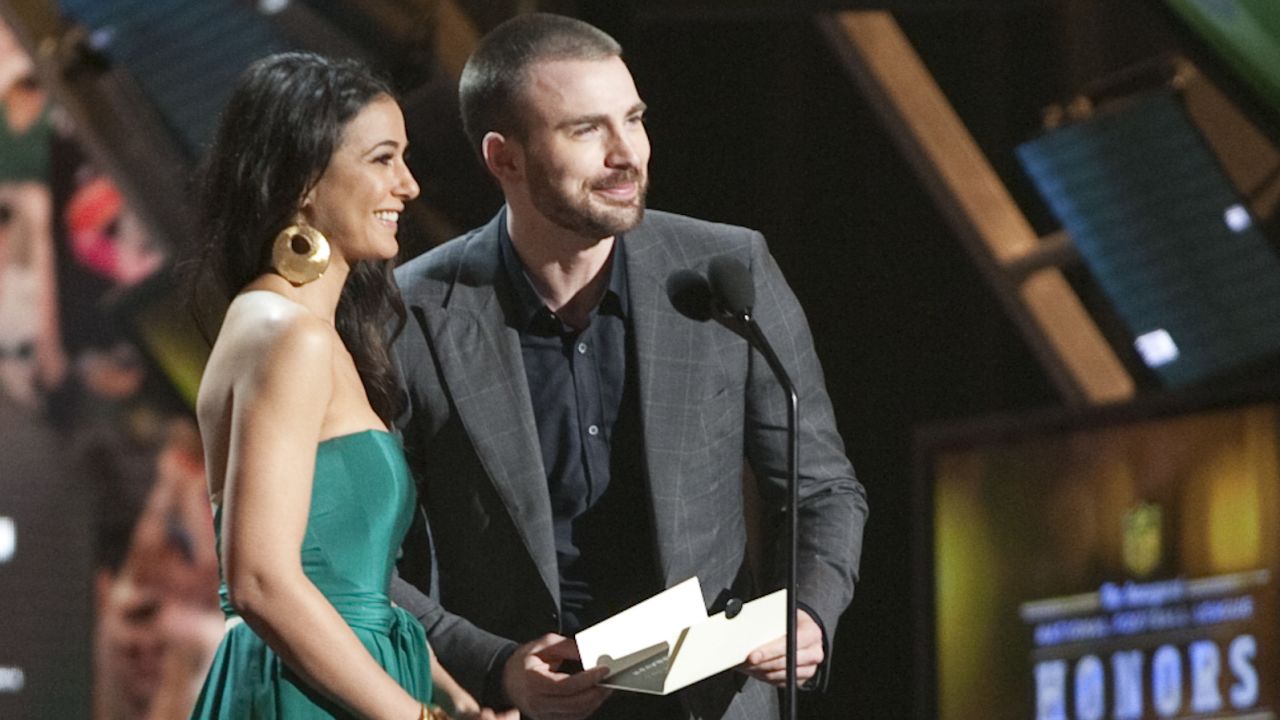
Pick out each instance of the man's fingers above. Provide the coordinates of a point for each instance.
(556, 650)
(808, 634)
(570, 707)
(768, 651)
(558, 696)
(584, 681)
(805, 655)
(543, 655)
(779, 677)
(546, 643)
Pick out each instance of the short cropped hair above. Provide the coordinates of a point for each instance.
(496, 73)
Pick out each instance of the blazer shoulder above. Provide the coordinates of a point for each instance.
(433, 270)
(672, 222)
(693, 240)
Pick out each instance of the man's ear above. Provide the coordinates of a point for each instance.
(503, 156)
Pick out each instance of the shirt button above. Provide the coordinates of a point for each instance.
(582, 348)
(593, 430)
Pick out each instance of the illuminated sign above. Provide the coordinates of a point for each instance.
(1181, 646)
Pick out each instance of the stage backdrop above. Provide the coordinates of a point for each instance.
(1126, 570)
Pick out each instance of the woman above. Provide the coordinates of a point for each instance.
(302, 192)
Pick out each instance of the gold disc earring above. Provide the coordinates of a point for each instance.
(300, 253)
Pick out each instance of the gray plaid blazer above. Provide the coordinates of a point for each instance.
(486, 576)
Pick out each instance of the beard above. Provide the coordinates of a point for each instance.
(587, 214)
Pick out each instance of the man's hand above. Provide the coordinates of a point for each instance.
(534, 683)
(769, 661)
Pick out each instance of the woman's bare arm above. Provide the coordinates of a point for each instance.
(281, 391)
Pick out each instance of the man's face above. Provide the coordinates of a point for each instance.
(586, 149)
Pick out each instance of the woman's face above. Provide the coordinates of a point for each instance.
(357, 201)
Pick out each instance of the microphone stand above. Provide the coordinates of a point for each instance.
(759, 341)
(732, 291)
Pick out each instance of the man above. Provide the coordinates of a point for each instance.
(578, 425)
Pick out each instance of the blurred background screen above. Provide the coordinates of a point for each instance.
(1118, 567)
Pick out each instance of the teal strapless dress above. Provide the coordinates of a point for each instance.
(362, 501)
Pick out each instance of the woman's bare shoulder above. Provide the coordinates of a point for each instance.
(262, 326)
(267, 343)
(272, 360)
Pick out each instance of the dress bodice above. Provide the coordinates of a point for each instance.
(362, 499)
(362, 502)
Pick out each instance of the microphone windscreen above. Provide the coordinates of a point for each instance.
(690, 294)
(731, 285)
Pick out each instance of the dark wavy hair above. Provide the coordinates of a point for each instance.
(276, 136)
(495, 74)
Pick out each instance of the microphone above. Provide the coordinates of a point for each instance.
(690, 295)
(734, 293)
(731, 287)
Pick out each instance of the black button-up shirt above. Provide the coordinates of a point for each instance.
(582, 385)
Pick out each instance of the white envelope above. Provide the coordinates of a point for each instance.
(667, 642)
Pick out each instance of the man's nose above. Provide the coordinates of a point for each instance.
(623, 152)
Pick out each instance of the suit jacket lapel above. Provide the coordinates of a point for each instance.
(663, 374)
(481, 361)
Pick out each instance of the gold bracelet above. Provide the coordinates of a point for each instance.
(433, 712)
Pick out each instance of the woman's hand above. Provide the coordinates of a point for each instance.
(459, 704)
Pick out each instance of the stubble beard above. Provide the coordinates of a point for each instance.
(589, 215)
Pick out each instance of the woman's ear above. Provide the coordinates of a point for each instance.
(306, 204)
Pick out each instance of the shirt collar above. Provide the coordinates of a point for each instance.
(528, 304)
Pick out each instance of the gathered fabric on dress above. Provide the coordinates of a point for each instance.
(362, 502)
